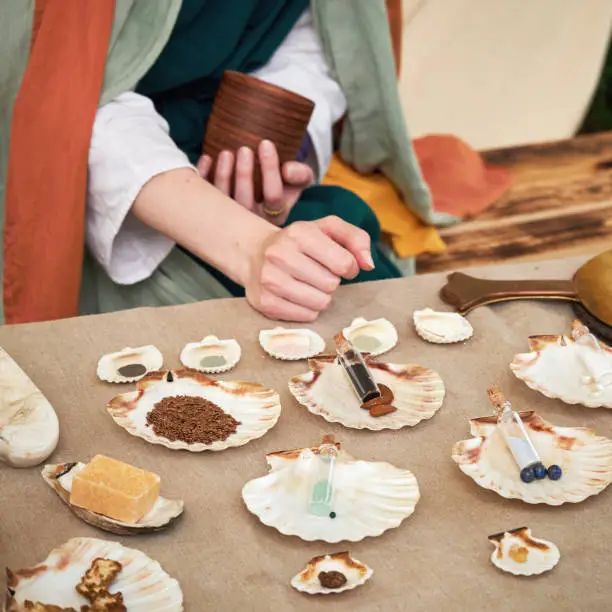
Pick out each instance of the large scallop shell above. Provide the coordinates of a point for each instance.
(326, 391)
(29, 429)
(129, 364)
(211, 355)
(369, 497)
(163, 514)
(442, 327)
(291, 344)
(585, 458)
(145, 586)
(519, 553)
(256, 407)
(372, 337)
(310, 580)
(554, 367)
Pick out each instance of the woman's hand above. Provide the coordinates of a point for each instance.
(281, 187)
(298, 268)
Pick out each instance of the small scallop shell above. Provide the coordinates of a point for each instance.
(373, 337)
(556, 368)
(519, 553)
(256, 407)
(309, 580)
(129, 364)
(163, 514)
(144, 584)
(368, 497)
(442, 327)
(212, 355)
(584, 457)
(291, 344)
(326, 391)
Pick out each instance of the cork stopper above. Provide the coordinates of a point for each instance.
(579, 330)
(497, 398)
(341, 342)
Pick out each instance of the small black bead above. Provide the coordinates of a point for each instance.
(332, 515)
(555, 472)
(527, 474)
(539, 471)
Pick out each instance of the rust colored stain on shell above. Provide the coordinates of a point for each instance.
(343, 557)
(295, 453)
(566, 442)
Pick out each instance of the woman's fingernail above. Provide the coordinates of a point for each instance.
(245, 153)
(267, 147)
(367, 256)
(224, 157)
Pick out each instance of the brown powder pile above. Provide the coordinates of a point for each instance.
(191, 419)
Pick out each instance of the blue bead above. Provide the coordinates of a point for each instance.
(527, 474)
(539, 471)
(555, 472)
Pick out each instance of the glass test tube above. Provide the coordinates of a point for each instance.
(515, 434)
(320, 503)
(356, 369)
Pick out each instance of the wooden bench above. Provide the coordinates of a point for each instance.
(559, 205)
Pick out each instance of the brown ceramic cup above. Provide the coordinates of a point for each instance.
(246, 111)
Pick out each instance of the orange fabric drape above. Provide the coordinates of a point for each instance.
(47, 172)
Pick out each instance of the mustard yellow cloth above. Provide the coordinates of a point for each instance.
(407, 234)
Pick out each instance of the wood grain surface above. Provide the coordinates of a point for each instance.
(560, 205)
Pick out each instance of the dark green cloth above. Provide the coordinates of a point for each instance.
(599, 115)
(209, 37)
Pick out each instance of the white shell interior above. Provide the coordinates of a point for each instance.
(162, 512)
(442, 327)
(374, 337)
(586, 461)
(417, 396)
(523, 555)
(368, 497)
(291, 344)
(145, 586)
(29, 428)
(211, 355)
(256, 408)
(558, 371)
(109, 365)
(307, 581)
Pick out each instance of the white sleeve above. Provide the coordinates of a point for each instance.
(299, 65)
(130, 145)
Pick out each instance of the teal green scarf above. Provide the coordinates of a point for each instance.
(211, 36)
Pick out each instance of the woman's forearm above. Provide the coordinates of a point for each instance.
(200, 218)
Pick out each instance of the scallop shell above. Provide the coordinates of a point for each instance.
(29, 429)
(554, 367)
(355, 572)
(585, 458)
(256, 407)
(326, 391)
(442, 327)
(163, 514)
(135, 363)
(519, 553)
(212, 355)
(291, 344)
(369, 497)
(144, 584)
(372, 337)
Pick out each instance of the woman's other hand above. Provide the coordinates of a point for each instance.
(282, 187)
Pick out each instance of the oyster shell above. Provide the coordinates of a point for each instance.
(519, 553)
(372, 337)
(291, 344)
(144, 584)
(326, 391)
(29, 429)
(337, 569)
(256, 407)
(584, 457)
(442, 327)
(555, 366)
(129, 364)
(212, 355)
(368, 497)
(163, 514)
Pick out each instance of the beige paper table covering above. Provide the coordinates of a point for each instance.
(224, 558)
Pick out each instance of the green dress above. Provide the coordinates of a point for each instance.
(209, 37)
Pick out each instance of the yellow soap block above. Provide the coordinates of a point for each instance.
(115, 489)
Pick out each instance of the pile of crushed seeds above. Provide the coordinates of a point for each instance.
(191, 419)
